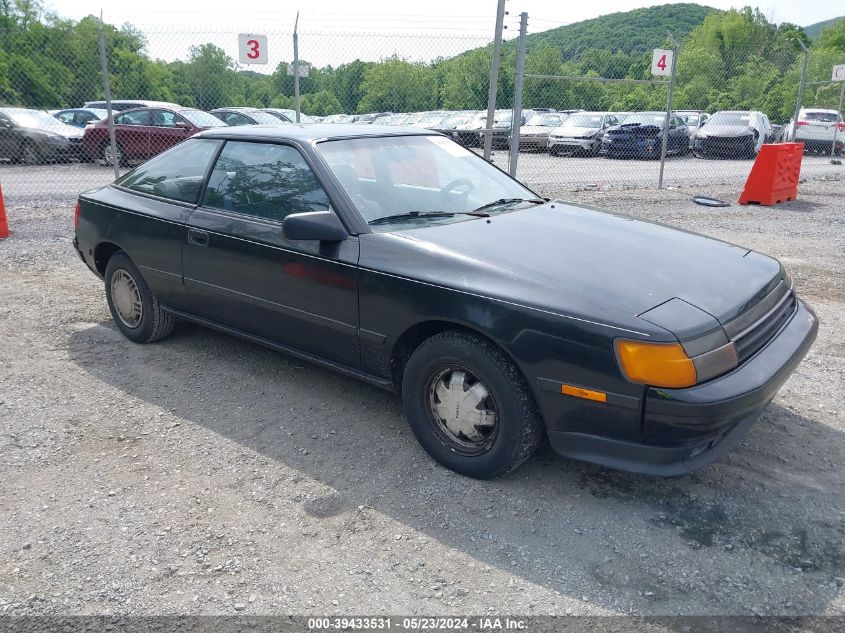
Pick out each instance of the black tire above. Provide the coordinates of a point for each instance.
(154, 323)
(105, 154)
(518, 429)
(554, 151)
(28, 154)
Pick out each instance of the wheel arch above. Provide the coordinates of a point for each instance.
(103, 252)
(418, 333)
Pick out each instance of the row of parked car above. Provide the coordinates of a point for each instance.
(144, 129)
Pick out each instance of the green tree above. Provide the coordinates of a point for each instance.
(397, 85)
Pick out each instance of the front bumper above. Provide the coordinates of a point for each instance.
(687, 429)
(571, 145)
(644, 148)
(719, 147)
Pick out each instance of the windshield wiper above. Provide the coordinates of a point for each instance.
(411, 215)
(503, 201)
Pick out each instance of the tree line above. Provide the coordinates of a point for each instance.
(731, 60)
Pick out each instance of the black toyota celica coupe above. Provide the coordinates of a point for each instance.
(399, 257)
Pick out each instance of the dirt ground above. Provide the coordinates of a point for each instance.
(206, 475)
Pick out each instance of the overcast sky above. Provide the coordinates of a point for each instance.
(331, 34)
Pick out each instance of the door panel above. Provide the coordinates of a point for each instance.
(132, 131)
(303, 294)
(242, 271)
(164, 132)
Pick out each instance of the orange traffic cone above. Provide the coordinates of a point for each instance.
(4, 224)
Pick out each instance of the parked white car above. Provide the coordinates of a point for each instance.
(581, 133)
(817, 129)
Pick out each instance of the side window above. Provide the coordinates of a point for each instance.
(177, 174)
(164, 118)
(136, 117)
(66, 117)
(264, 180)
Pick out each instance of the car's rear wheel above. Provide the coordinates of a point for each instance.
(106, 154)
(469, 406)
(134, 307)
(29, 154)
(554, 151)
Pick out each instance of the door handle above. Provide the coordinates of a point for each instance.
(197, 238)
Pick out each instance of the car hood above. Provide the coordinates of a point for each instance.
(577, 261)
(725, 130)
(66, 131)
(534, 129)
(574, 132)
(636, 129)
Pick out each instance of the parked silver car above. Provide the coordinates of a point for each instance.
(817, 129)
(581, 133)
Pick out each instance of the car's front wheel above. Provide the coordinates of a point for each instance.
(134, 307)
(469, 406)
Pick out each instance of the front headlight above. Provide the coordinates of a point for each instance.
(668, 365)
(606, 138)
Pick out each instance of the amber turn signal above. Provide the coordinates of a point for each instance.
(656, 364)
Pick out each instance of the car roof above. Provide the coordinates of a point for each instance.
(313, 131)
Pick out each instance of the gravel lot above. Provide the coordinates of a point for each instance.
(207, 475)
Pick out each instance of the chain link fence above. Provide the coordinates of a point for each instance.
(592, 118)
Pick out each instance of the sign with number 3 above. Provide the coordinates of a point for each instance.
(252, 49)
(661, 62)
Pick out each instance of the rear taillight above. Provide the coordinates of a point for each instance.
(800, 123)
(76, 215)
(841, 127)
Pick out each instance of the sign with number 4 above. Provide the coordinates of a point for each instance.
(252, 49)
(661, 62)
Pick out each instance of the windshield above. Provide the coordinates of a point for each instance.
(544, 120)
(303, 118)
(646, 118)
(730, 118)
(584, 120)
(35, 119)
(202, 119)
(690, 119)
(264, 118)
(824, 117)
(398, 174)
(453, 121)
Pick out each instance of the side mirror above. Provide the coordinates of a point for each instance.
(323, 226)
(182, 125)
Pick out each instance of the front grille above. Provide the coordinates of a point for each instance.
(755, 327)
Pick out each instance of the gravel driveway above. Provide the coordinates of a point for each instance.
(206, 475)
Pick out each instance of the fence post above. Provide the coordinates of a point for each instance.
(493, 89)
(800, 89)
(836, 125)
(296, 66)
(516, 118)
(665, 140)
(107, 90)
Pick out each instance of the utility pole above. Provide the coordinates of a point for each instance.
(800, 88)
(516, 120)
(665, 141)
(296, 66)
(107, 90)
(494, 78)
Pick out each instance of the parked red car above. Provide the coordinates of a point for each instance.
(144, 132)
